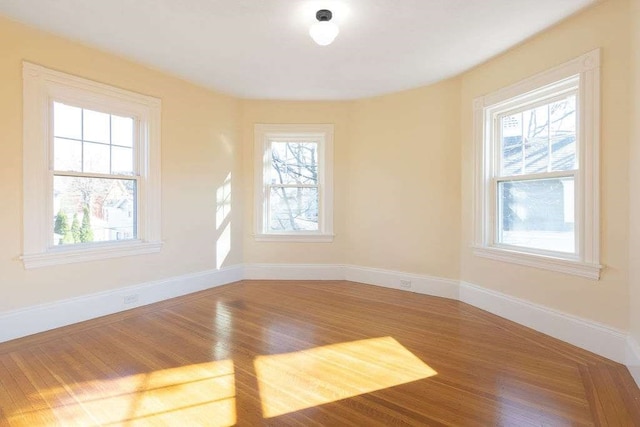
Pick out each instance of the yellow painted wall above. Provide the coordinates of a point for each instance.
(396, 173)
(199, 149)
(279, 112)
(403, 174)
(634, 174)
(607, 26)
(404, 181)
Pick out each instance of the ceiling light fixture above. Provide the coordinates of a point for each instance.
(324, 32)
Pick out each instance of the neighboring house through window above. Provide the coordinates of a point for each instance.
(294, 182)
(91, 170)
(537, 170)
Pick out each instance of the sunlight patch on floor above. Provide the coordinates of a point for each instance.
(307, 378)
(200, 394)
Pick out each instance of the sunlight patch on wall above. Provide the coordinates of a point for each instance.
(303, 379)
(201, 394)
(223, 246)
(223, 201)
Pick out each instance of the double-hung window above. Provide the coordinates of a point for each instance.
(294, 182)
(91, 170)
(537, 170)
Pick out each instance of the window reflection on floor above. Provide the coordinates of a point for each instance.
(187, 395)
(303, 379)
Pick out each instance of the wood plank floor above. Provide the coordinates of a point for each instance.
(308, 353)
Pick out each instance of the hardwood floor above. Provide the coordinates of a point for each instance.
(308, 353)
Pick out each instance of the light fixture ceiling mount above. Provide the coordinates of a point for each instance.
(324, 15)
(324, 31)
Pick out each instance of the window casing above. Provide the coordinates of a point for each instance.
(91, 151)
(294, 183)
(536, 180)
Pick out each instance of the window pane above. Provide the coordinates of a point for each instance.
(294, 209)
(535, 123)
(67, 155)
(563, 134)
(96, 158)
(537, 214)
(122, 131)
(97, 131)
(67, 121)
(121, 161)
(95, 126)
(294, 163)
(512, 149)
(93, 209)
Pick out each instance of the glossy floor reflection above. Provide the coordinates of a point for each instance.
(186, 395)
(308, 353)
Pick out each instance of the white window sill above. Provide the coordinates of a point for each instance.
(298, 237)
(576, 268)
(92, 252)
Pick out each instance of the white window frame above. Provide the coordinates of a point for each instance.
(41, 87)
(322, 134)
(586, 261)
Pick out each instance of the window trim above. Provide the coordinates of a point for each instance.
(323, 135)
(43, 86)
(586, 261)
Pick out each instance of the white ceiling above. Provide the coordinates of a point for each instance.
(261, 48)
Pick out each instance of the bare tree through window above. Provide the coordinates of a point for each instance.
(294, 191)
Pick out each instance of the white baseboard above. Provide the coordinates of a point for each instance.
(374, 276)
(633, 358)
(40, 318)
(44, 317)
(294, 272)
(597, 338)
(586, 334)
(421, 284)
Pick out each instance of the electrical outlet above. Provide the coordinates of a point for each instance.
(130, 299)
(405, 284)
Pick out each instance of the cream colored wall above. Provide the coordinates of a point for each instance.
(396, 172)
(634, 174)
(199, 149)
(279, 112)
(403, 174)
(404, 181)
(606, 301)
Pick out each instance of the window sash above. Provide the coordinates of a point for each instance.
(269, 210)
(577, 206)
(495, 130)
(268, 167)
(138, 200)
(137, 129)
(135, 144)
